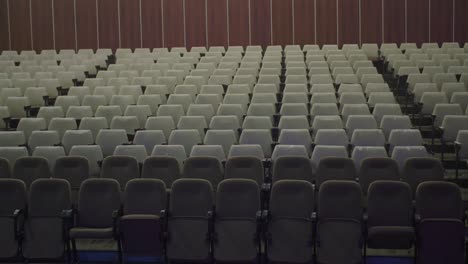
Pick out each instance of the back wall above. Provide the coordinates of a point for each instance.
(76, 24)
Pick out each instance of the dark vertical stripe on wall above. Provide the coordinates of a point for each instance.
(195, 23)
(217, 23)
(86, 24)
(461, 21)
(260, 18)
(20, 25)
(282, 11)
(238, 22)
(418, 21)
(304, 21)
(371, 21)
(64, 20)
(173, 23)
(108, 22)
(394, 16)
(151, 20)
(348, 21)
(4, 36)
(42, 26)
(326, 22)
(130, 24)
(442, 20)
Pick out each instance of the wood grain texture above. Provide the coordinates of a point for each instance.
(42, 24)
(238, 22)
(20, 25)
(108, 24)
(260, 20)
(442, 21)
(304, 21)
(4, 35)
(282, 14)
(64, 21)
(130, 32)
(461, 21)
(418, 21)
(173, 23)
(151, 20)
(195, 23)
(326, 22)
(394, 21)
(348, 22)
(371, 21)
(86, 24)
(217, 22)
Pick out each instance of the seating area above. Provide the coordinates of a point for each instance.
(269, 155)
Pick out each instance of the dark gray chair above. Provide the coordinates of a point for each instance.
(73, 169)
(335, 168)
(13, 199)
(377, 169)
(245, 168)
(289, 233)
(292, 168)
(390, 215)
(98, 200)
(141, 226)
(29, 169)
(166, 169)
(339, 223)
(45, 236)
(5, 168)
(188, 221)
(207, 168)
(120, 168)
(439, 208)
(418, 170)
(237, 218)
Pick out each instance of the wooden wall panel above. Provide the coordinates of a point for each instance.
(20, 25)
(173, 23)
(371, 21)
(326, 22)
(64, 22)
(217, 22)
(195, 23)
(394, 21)
(109, 35)
(130, 33)
(282, 19)
(304, 21)
(461, 22)
(238, 22)
(348, 22)
(4, 35)
(151, 23)
(86, 24)
(42, 25)
(418, 21)
(441, 21)
(260, 20)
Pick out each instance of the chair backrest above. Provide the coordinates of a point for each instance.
(166, 169)
(237, 198)
(339, 200)
(191, 198)
(13, 196)
(29, 169)
(335, 168)
(75, 170)
(418, 170)
(48, 198)
(144, 196)
(377, 169)
(292, 168)
(208, 168)
(5, 168)
(120, 168)
(439, 200)
(292, 199)
(245, 167)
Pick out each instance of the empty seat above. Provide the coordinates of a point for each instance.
(361, 153)
(166, 169)
(120, 168)
(296, 137)
(421, 169)
(292, 168)
(377, 169)
(62, 124)
(12, 138)
(109, 139)
(331, 137)
(43, 138)
(246, 167)
(176, 151)
(335, 168)
(75, 170)
(29, 169)
(28, 125)
(208, 168)
(260, 137)
(368, 138)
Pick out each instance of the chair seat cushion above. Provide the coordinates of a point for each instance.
(86, 232)
(390, 237)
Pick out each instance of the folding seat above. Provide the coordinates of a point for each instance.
(376, 87)
(440, 210)
(211, 89)
(401, 154)
(264, 88)
(132, 90)
(153, 74)
(185, 137)
(289, 151)
(169, 81)
(368, 138)
(339, 211)
(163, 123)
(174, 111)
(141, 112)
(13, 202)
(421, 88)
(120, 168)
(451, 124)
(98, 199)
(224, 138)
(245, 167)
(349, 87)
(241, 99)
(193, 122)
(18, 106)
(12, 138)
(261, 137)
(188, 215)
(6, 93)
(214, 151)
(28, 125)
(226, 109)
(321, 79)
(296, 79)
(352, 98)
(175, 151)
(404, 137)
(13, 153)
(322, 151)
(261, 109)
(287, 208)
(381, 98)
(371, 78)
(264, 98)
(361, 153)
(294, 122)
(381, 110)
(354, 109)
(390, 216)
(292, 168)
(109, 139)
(92, 83)
(151, 100)
(66, 101)
(293, 109)
(118, 82)
(451, 88)
(204, 110)
(323, 98)
(122, 101)
(213, 99)
(295, 71)
(80, 92)
(79, 112)
(161, 67)
(24, 83)
(441, 78)
(442, 110)
(324, 109)
(28, 169)
(331, 137)
(180, 99)
(240, 89)
(257, 122)
(296, 137)
(62, 124)
(93, 124)
(43, 138)
(335, 168)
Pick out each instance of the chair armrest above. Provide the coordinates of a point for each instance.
(18, 226)
(115, 217)
(266, 187)
(417, 218)
(67, 214)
